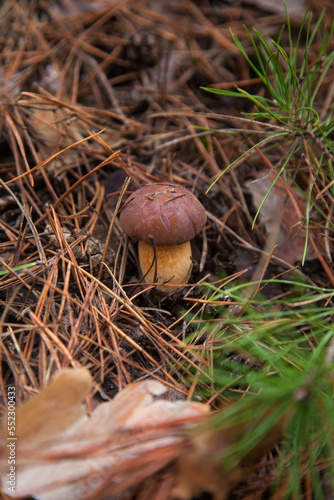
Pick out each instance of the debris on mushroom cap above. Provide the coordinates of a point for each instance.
(166, 213)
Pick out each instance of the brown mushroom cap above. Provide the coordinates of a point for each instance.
(166, 213)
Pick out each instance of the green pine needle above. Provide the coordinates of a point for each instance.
(274, 362)
(289, 107)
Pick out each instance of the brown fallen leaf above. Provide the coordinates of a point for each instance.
(296, 8)
(63, 453)
(279, 216)
(56, 408)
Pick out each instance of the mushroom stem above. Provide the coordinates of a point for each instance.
(173, 265)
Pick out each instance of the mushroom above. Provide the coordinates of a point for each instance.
(163, 218)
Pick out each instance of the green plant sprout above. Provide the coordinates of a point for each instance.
(289, 112)
(272, 362)
(18, 268)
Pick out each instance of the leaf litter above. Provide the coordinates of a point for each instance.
(93, 93)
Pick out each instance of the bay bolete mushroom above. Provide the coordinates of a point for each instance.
(163, 218)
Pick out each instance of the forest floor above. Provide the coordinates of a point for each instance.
(98, 98)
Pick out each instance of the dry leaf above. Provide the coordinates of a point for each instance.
(198, 469)
(89, 456)
(296, 8)
(65, 454)
(279, 216)
(60, 402)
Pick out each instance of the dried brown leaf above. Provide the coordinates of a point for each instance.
(56, 408)
(283, 223)
(63, 453)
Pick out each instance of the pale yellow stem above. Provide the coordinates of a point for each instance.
(173, 265)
